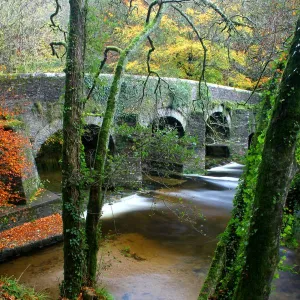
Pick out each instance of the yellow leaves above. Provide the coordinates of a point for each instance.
(169, 25)
(241, 81)
(191, 12)
(238, 56)
(136, 67)
(199, 17)
(36, 194)
(127, 33)
(178, 52)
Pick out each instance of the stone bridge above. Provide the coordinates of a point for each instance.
(39, 100)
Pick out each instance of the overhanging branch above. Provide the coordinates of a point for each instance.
(102, 64)
(53, 48)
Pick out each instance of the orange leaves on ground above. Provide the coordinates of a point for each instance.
(30, 232)
(6, 296)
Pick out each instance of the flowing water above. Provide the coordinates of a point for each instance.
(164, 244)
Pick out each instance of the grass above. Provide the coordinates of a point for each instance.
(126, 251)
(98, 293)
(104, 294)
(11, 289)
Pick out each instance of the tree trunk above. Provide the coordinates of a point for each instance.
(275, 173)
(71, 161)
(96, 195)
(219, 276)
(222, 277)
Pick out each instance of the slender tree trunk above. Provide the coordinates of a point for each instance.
(71, 161)
(96, 194)
(275, 173)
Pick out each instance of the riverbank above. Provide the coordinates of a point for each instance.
(46, 204)
(30, 236)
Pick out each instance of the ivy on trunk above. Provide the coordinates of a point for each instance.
(71, 158)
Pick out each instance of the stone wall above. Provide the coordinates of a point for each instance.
(47, 204)
(39, 99)
(242, 125)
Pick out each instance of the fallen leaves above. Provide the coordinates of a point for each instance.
(31, 231)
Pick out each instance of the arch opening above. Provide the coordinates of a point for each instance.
(90, 139)
(217, 128)
(48, 159)
(217, 133)
(168, 123)
(163, 162)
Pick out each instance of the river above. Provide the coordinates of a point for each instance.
(163, 246)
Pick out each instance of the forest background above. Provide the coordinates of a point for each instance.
(233, 58)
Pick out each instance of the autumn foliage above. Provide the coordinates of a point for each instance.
(12, 160)
(32, 231)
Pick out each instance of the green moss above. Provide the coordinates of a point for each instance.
(232, 105)
(30, 186)
(13, 124)
(102, 293)
(179, 95)
(38, 107)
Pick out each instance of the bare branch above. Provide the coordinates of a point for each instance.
(160, 3)
(258, 81)
(243, 24)
(230, 24)
(151, 72)
(202, 75)
(130, 10)
(102, 64)
(55, 26)
(54, 52)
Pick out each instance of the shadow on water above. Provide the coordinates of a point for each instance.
(174, 233)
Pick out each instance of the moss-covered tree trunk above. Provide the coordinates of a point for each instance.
(71, 162)
(96, 192)
(220, 280)
(275, 173)
(224, 272)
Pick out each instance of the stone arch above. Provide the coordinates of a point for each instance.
(44, 134)
(219, 109)
(177, 115)
(147, 119)
(48, 159)
(217, 127)
(89, 140)
(171, 118)
(155, 165)
(54, 127)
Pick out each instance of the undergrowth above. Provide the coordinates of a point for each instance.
(11, 289)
